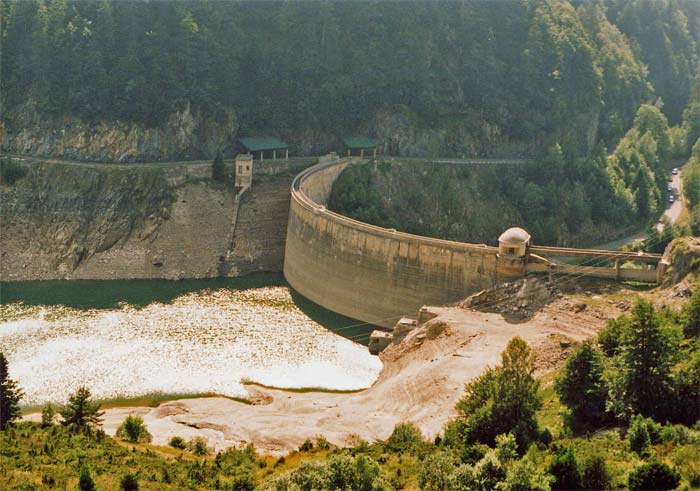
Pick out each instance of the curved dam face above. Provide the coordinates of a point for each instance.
(374, 274)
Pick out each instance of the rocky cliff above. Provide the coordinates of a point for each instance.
(186, 134)
(83, 221)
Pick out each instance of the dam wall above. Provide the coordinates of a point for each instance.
(370, 273)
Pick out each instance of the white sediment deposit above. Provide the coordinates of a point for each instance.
(207, 342)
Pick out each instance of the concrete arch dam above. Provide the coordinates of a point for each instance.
(377, 275)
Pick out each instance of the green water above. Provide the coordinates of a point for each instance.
(108, 294)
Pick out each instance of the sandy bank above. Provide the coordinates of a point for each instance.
(423, 377)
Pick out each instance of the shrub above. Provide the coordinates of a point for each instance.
(489, 471)
(406, 437)
(690, 316)
(594, 474)
(198, 446)
(506, 448)
(307, 446)
(48, 413)
(134, 430)
(610, 338)
(243, 482)
(436, 471)
(638, 435)
(129, 482)
(653, 476)
(322, 443)
(565, 469)
(11, 171)
(462, 479)
(687, 460)
(471, 454)
(218, 169)
(178, 442)
(677, 434)
(524, 474)
(85, 482)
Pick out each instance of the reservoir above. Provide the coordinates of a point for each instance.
(128, 338)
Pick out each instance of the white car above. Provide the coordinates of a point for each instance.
(674, 171)
(671, 199)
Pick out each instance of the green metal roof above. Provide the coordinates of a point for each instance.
(263, 143)
(358, 142)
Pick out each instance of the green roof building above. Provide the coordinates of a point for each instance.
(260, 145)
(357, 145)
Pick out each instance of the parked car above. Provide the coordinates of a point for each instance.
(674, 171)
(669, 189)
(671, 199)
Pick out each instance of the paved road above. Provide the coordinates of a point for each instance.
(673, 210)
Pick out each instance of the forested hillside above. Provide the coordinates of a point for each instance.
(425, 78)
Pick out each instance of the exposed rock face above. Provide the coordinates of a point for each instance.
(109, 222)
(401, 132)
(186, 134)
(684, 256)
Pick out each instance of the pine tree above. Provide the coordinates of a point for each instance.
(81, 414)
(10, 395)
(646, 355)
(581, 387)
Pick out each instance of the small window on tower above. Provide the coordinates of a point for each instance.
(240, 168)
(247, 167)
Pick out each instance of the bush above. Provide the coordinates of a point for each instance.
(307, 446)
(462, 479)
(506, 448)
(655, 476)
(638, 435)
(610, 338)
(322, 443)
(406, 437)
(134, 430)
(436, 471)
(594, 474)
(524, 474)
(11, 171)
(690, 316)
(677, 434)
(243, 482)
(198, 446)
(565, 469)
(218, 169)
(489, 471)
(85, 482)
(178, 442)
(48, 413)
(129, 482)
(687, 461)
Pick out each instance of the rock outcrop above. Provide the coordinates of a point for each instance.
(186, 134)
(80, 221)
(683, 254)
